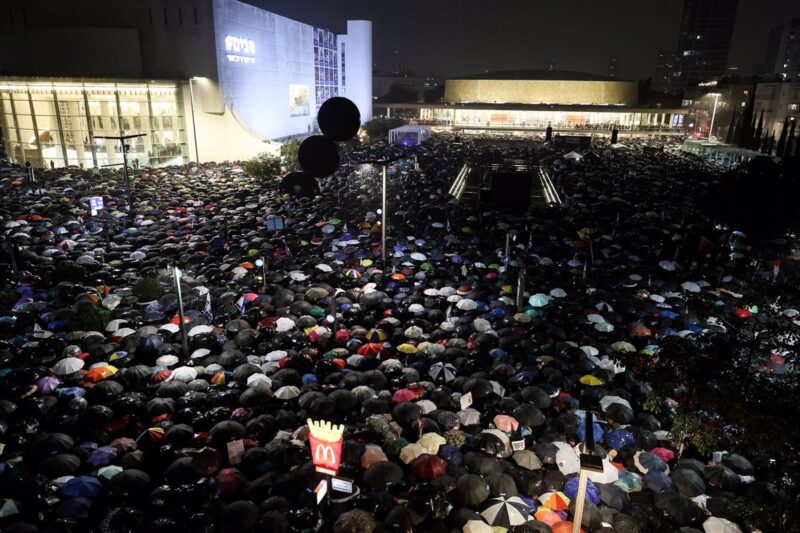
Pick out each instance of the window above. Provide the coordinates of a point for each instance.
(180, 16)
(792, 107)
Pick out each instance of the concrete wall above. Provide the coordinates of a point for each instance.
(221, 134)
(542, 91)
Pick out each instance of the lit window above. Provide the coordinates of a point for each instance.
(792, 107)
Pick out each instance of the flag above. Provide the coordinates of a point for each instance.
(207, 312)
(240, 305)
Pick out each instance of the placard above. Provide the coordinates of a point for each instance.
(466, 400)
(321, 490)
(342, 485)
(518, 445)
(235, 451)
(96, 205)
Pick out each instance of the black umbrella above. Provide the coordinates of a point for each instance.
(471, 490)
(382, 474)
(679, 507)
(688, 482)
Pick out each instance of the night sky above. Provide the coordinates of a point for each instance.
(453, 37)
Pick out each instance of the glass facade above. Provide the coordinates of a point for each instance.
(57, 122)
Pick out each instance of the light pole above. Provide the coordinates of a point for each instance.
(383, 219)
(176, 273)
(122, 139)
(713, 114)
(194, 124)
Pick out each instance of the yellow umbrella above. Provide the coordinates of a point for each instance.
(592, 381)
(407, 348)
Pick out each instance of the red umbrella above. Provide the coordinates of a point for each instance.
(742, 313)
(371, 349)
(428, 466)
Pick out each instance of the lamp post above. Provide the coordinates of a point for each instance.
(713, 114)
(263, 264)
(176, 273)
(589, 463)
(122, 139)
(383, 219)
(194, 124)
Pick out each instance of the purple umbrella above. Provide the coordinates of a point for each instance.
(102, 456)
(47, 384)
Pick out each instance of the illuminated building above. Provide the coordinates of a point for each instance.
(530, 100)
(237, 75)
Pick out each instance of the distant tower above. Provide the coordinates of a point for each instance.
(783, 51)
(613, 66)
(667, 79)
(705, 39)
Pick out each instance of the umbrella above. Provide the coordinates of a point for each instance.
(67, 366)
(506, 512)
(471, 490)
(382, 474)
(555, 500)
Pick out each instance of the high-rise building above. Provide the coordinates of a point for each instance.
(783, 51)
(667, 79)
(705, 39)
(613, 66)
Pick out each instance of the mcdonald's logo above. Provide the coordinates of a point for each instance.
(325, 455)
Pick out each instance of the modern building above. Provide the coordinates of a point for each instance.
(716, 102)
(780, 102)
(530, 100)
(202, 79)
(783, 51)
(705, 39)
(667, 79)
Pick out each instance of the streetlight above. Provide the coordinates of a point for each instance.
(122, 139)
(713, 113)
(194, 124)
(263, 265)
(176, 273)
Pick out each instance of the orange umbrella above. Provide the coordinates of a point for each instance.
(565, 526)
(248, 265)
(100, 373)
(641, 331)
(555, 500)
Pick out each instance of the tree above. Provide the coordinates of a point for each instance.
(747, 117)
(729, 137)
(759, 130)
(289, 151)
(378, 128)
(263, 167)
(787, 150)
(782, 139)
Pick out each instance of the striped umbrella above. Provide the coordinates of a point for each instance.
(506, 512)
(376, 335)
(442, 372)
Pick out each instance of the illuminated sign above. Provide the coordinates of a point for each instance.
(96, 205)
(326, 446)
(240, 50)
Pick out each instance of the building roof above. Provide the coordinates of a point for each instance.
(560, 75)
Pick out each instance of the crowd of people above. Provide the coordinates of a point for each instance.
(463, 397)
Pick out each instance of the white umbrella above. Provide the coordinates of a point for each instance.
(167, 360)
(284, 324)
(668, 265)
(690, 286)
(287, 392)
(184, 374)
(467, 305)
(539, 300)
(566, 459)
(605, 327)
(8, 508)
(200, 352)
(114, 325)
(67, 366)
(716, 524)
(172, 328)
(416, 256)
(197, 330)
(558, 293)
(275, 355)
(297, 275)
(606, 401)
(259, 381)
(323, 267)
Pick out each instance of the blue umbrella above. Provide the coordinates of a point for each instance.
(658, 481)
(82, 487)
(620, 438)
(571, 490)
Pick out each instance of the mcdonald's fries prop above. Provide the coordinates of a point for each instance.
(326, 446)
